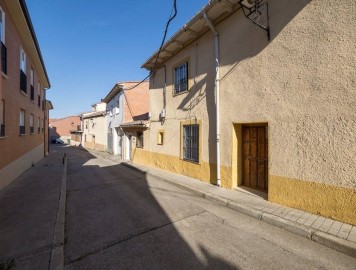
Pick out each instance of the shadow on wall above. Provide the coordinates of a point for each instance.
(114, 221)
(53, 134)
(248, 42)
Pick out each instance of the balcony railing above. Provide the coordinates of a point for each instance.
(22, 130)
(2, 130)
(32, 93)
(23, 81)
(3, 58)
(32, 130)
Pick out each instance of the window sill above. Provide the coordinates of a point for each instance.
(23, 135)
(23, 93)
(4, 75)
(180, 93)
(4, 137)
(192, 161)
(33, 133)
(32, 101)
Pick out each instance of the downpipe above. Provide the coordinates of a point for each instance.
(217, 87)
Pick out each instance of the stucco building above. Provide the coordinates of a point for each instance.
(94, 127)
(127, 107)
(23, 85)
(232, 107)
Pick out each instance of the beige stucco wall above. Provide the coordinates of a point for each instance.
(302, 83)
(99, 130)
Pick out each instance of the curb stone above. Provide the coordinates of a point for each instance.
(319, 237)
(287, 225)
(257, 214)
(57, 254)
(335, 243)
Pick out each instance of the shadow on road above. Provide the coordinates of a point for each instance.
(113, 221)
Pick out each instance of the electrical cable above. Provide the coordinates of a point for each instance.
(162, 43)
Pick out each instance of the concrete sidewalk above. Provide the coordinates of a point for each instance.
(331, 233)
(28, 213)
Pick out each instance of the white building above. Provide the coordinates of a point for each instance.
(94, 128)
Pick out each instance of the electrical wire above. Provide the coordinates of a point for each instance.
(171, 17)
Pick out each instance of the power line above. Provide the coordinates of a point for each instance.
(171, 17)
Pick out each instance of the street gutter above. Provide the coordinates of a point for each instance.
(57, 254)
(333, 242)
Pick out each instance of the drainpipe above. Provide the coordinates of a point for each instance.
(164, 91)
(217, 87)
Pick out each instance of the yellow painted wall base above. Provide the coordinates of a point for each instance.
(330, 201)
(204, 171)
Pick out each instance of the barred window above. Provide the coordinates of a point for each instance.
(139, 140)
(181, 78)
(191, 142)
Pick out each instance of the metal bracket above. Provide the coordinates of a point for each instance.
(254, 12)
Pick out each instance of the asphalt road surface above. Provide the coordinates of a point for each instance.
(117, 218)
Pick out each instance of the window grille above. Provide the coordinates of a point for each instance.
(181, 78)
(139, 141)
(191, 142)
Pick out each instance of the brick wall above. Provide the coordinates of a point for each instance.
(136, 100)
(62, 127)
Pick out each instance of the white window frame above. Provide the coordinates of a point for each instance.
(2, 111)
(32, 77)
(32, 120)
(118, 106)
(22, 121)
(22, 117)
(22, 60)
(2, 114)
(2, 35)
(181, 78)
(38, 124)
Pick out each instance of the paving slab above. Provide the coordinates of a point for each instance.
(28, 211)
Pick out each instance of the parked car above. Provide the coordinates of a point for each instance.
(56, 141)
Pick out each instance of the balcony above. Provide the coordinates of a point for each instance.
(3, 58)
(2, 130)
(22, 130)
(32, 93)
(23, 81)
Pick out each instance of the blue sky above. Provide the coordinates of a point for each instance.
(88, 46)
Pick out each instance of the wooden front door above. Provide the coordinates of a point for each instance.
(255, 157)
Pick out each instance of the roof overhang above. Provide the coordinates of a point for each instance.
(93, 114)
(114, 91)
(49, 105)
(140, 124)
(21, 17)
(215, 10)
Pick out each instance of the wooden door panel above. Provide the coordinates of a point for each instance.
(255, 156)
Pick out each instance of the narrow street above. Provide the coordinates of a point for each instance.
(117, 218)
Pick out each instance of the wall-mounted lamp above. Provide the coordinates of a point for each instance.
(72, 124)
(254, 10)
